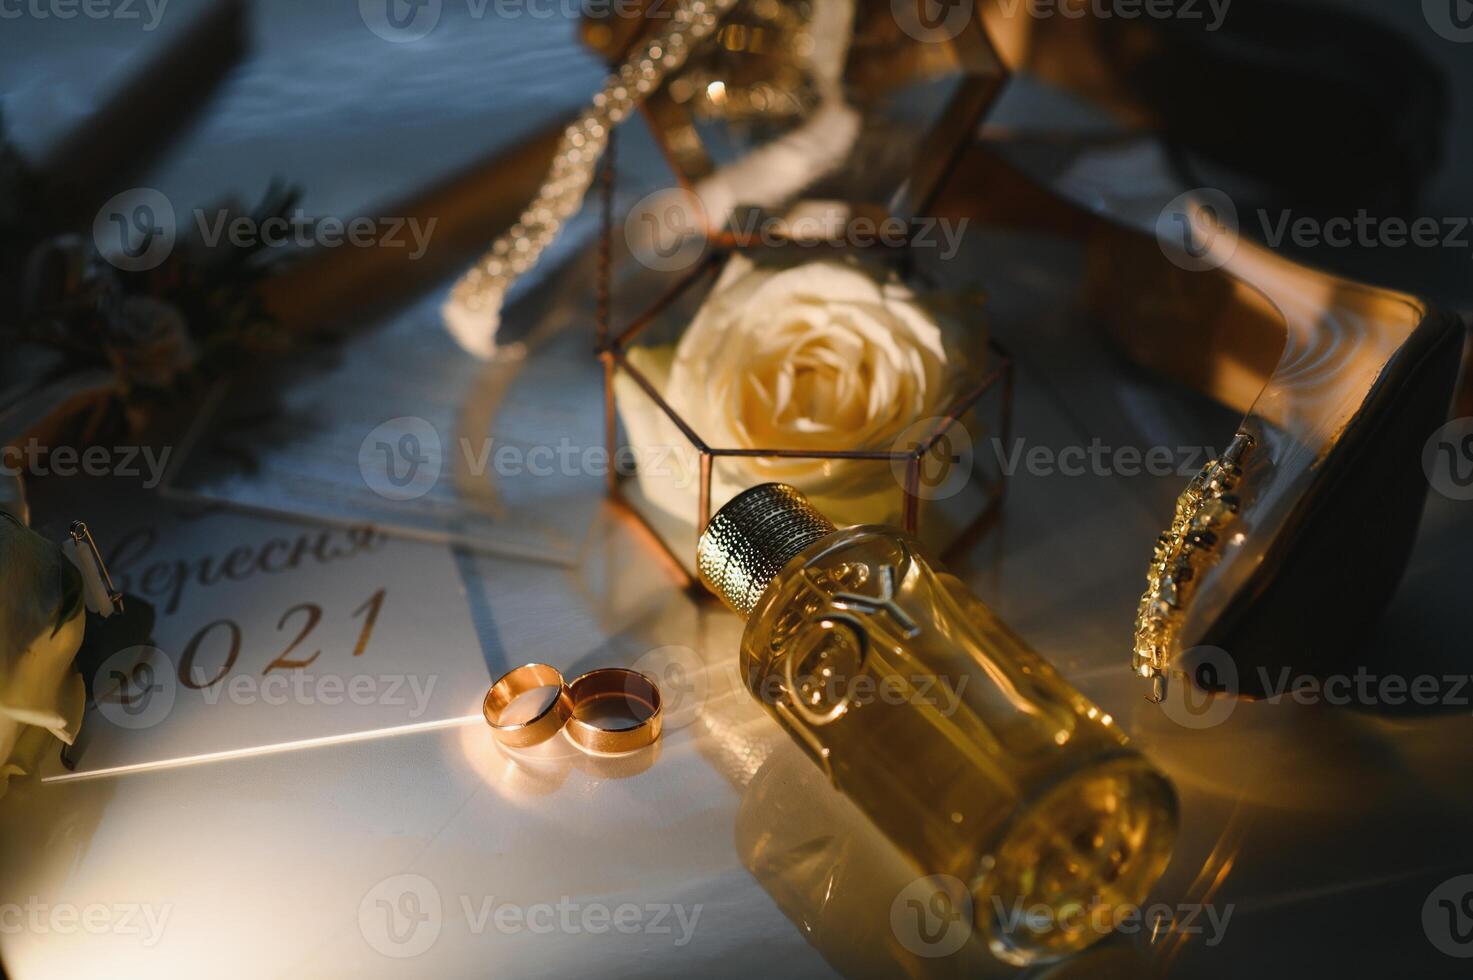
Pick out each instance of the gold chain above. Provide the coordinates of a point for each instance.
(479, 292)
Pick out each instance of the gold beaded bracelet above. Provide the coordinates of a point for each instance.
(1182, 554)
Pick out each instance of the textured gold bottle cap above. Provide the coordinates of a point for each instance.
(750, 539)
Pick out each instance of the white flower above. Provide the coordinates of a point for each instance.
(823, 356)
(42, 618)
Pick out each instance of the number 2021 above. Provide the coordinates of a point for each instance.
(309, 613)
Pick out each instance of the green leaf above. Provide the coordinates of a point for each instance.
(40, 590)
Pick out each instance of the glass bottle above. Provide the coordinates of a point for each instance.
(973, 755)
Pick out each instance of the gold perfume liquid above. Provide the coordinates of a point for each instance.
(957, 741)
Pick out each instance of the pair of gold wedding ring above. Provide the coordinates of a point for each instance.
(614, 686)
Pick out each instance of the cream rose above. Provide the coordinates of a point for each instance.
(828, 355)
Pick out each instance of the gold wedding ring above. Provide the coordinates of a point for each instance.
(635, 691)
(545, 724)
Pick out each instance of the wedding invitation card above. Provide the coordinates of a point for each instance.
(272, 636)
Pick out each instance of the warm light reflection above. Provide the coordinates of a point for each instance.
(307, 743)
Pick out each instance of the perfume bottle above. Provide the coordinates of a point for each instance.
(960, 743)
